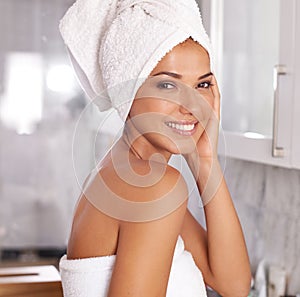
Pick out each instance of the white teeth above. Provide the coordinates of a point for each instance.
(181, 127)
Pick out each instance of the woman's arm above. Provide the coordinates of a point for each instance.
(145, 249)
(220, 253)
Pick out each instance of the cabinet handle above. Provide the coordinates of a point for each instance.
(277, 152)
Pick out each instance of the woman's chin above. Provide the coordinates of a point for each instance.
(183, 149)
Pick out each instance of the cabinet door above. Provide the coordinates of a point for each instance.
(254, 45)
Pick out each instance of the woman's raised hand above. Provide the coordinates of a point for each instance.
(203, 161)
(207, 145)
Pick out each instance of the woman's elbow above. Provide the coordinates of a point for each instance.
(234, 287)
(237, 288)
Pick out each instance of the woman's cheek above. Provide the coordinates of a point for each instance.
(208, 96)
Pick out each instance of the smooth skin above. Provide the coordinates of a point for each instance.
(144, 250)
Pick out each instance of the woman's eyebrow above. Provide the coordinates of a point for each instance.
(176, 75)
(205, 75)
(172, 74)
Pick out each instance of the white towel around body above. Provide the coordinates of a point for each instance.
(90, 277)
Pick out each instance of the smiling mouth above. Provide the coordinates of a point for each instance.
(182, 128)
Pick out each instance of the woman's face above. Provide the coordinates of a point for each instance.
(172, 108)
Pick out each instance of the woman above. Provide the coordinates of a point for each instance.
(132, 233)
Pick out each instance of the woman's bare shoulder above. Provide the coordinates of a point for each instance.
(113, 200)
(142, 181)
(146, 247)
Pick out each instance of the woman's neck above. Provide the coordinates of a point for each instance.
(141, 148)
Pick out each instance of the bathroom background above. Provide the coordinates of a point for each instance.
(49, 140)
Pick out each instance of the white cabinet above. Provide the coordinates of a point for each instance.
(258, 67)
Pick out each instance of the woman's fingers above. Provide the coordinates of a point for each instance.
(216, 94)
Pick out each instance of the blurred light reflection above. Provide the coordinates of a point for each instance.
(254, 135)
(60, 78)
(22, 102)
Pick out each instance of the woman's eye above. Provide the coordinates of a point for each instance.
(204, 85)
(166, 85)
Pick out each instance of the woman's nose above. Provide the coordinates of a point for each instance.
(184, 110)
(189, 100)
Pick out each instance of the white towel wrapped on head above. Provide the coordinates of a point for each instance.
(113, 42)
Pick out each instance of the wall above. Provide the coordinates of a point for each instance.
(267, 199)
